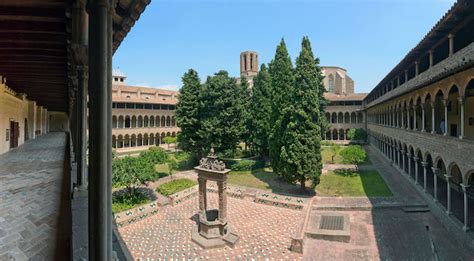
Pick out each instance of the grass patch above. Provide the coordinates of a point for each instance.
(353, 184)
(326, 155)
(174, 186)
(123, 201)
(259, 178)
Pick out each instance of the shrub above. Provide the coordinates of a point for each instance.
(155, 155)
(244, 165)
(130, 172)
(125, 201)
(185, 160)
(357, 134)
(327, 143)
(353, 154)
(174, 186)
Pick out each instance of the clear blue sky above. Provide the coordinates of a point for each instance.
(367, 37)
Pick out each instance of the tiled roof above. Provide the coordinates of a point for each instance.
(348, 97)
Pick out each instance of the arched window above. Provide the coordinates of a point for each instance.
(331, 83)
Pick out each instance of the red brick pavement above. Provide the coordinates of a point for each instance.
(264, 233)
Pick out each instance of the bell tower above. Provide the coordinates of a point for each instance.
(248, 64)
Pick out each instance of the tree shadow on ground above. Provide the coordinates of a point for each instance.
(280, 186)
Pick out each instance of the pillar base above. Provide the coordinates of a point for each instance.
(465, 228)
(448, 212)
(230, 240)
(462, 137)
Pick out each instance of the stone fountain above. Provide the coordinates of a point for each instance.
(213, 229)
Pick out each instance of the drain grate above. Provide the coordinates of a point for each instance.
(332, 222)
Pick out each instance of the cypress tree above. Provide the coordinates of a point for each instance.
(260, 112)
(221, 114)
(187, 113)
(244, 96)
(300, 123)
(282, 81)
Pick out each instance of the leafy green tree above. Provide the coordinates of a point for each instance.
(172, 165)
(300, 157)
(334, 151)
(357, 134)
(244, 96)
(131, 172)
(222, 114)
(353, 154)
(282, 85)
(187, 113)
(169, 140)
(260, 110)
(154, 155)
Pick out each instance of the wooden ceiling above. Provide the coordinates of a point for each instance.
(34, 38)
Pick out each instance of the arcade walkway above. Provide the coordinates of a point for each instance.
(32, 186)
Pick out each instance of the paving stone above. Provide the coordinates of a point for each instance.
(30, 180)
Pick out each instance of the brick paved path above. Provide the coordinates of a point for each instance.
(30, 192)
(386, 233)
(264, 232)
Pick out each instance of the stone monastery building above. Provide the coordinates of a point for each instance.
(62, 112)
(141, 117)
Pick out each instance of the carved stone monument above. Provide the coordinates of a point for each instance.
(213, 229)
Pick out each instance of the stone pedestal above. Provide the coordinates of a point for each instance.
(213, 230)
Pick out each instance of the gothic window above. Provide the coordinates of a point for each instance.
(331, 83)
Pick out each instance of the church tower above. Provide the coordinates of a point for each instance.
(248, 64)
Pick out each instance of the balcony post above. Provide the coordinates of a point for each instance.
(100, 132)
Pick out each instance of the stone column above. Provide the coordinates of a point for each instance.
(466, 208)
(448, 187)
(202, 195)
(451, 44)
(409, 163)
(425, 174)
(445, 103)
(398, 158)
(406, 75)
(461, 105)
(423, 117)
(435, 186)
(416, 159)
(430, 53)
(408, 118)
(403, 119)
(433, 129)
(100, 132)
(222, 201)
(414, 118)
(417, 69)
(403, 160)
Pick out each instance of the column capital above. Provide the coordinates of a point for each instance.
(461, 100)
(445, 102)
(450, 35)
(464, 187)
(435, 170)
(416, 159)
(430, 51)
(448, 176)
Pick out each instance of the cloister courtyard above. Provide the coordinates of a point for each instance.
(388, 217)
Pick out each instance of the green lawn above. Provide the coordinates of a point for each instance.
(264, 179)
(326, 155)
(352, 184)
(174, 186)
